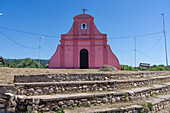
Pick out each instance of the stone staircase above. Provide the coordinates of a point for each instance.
(90, 93)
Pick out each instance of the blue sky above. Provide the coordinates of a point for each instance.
(116, 18)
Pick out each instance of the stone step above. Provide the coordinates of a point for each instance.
(84, 76)
(151, 105)
(54, 102)
(128, 109)
(41, 88)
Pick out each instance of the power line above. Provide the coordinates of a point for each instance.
(16, 41)
(145, 55)
(120, 37)
(154, 33)
(123, 51)
(51, 36)
(59, 37)
(153, 45)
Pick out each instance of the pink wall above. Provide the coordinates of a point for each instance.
(67, 54)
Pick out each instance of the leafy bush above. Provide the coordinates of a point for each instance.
(16, 63)
(158, 68)
(126, 67)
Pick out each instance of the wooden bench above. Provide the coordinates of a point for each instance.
(144, 66)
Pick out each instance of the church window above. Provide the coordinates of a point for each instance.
(83, 26)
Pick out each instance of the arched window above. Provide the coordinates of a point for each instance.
(83, 26)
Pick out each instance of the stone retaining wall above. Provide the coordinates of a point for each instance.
(155, 107)
(160, 104)
(83, 77)
(54, 104)
(85, 86)
(5, 100)
(6, 89)
(129, 109)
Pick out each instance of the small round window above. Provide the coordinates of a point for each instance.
(83, 26)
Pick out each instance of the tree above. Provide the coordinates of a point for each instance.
(28, 63)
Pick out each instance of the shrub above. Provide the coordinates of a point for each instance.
(150, 106)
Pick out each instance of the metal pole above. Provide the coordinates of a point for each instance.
(134, 51)
(165, 41)
(39, 51)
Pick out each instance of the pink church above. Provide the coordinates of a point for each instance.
(83, 47)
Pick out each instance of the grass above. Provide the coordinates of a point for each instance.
(7, 74)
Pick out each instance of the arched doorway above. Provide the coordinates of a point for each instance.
(84, 59)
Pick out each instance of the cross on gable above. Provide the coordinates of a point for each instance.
(84, 10)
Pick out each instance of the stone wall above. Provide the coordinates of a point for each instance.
(65, 83)
(6, 88)
(160, 104)
(6, 103)
(128, 109)
(86, 86)
(54, 104)
(83, 77)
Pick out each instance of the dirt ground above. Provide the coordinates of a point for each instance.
(7, 74)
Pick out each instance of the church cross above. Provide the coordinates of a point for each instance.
(84, 10)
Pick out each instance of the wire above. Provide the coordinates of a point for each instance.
(59, 37)
(148, 34)
(153, 45)
(51, 36)
(123, 51)
(16, 41)
(145, 55)
(120, 37)
(136, 35)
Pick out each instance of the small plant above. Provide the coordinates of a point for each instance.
(126, 94)
(147, 96)
(143, 105)
(152, 94)
(95, 98)
(164, 105)
(79, 106)
(70, 107)
(43, 111)
(87, 104)
(60, 110)
(150, 106)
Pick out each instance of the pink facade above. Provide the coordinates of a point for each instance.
(83, 47)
